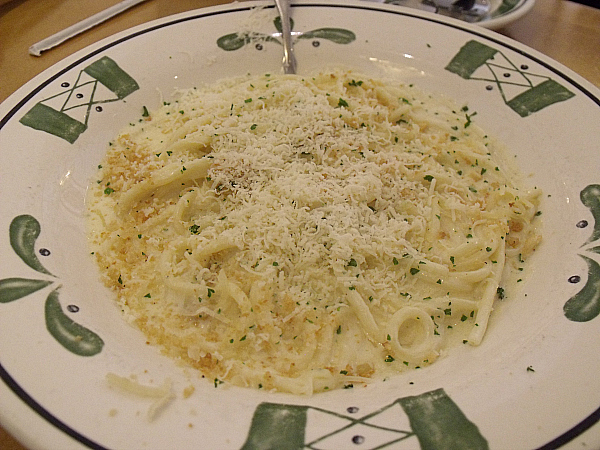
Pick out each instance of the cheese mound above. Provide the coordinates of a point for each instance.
(303, 234)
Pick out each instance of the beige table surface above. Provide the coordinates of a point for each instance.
(567, 32)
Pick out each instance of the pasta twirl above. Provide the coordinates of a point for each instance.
(306, 233)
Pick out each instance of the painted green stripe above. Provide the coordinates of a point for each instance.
(538, 97)
(469, 58)
(107, 72)
(276, 426)
(44, 118)
(439, 423)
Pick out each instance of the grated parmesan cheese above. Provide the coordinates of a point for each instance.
(303, 234)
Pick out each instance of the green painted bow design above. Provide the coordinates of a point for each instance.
(585, 305)
(23, 233)
(235, 41)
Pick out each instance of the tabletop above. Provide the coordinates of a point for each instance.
(564, 30)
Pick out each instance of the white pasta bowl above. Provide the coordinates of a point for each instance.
(531, 383)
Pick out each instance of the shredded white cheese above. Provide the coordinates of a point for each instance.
(308, 233)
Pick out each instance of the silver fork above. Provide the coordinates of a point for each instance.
(289, 60)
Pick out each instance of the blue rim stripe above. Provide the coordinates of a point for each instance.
(44, 413)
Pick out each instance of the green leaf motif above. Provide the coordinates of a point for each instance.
(71, 335)
(585, 305)
(233, 41)
(336, 35)
(279, 27)
(16, 288)
(590, 197)
(24, 231)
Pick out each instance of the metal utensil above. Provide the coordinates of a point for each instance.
(289, 60)
(60, 37)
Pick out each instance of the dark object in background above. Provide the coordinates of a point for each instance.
(593, 3)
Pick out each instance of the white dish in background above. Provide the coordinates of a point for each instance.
(499, 14)
(533, 381)
(504, 12)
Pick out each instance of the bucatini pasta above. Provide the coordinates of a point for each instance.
(302, 234)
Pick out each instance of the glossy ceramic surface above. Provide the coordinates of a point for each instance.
(532, 383)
